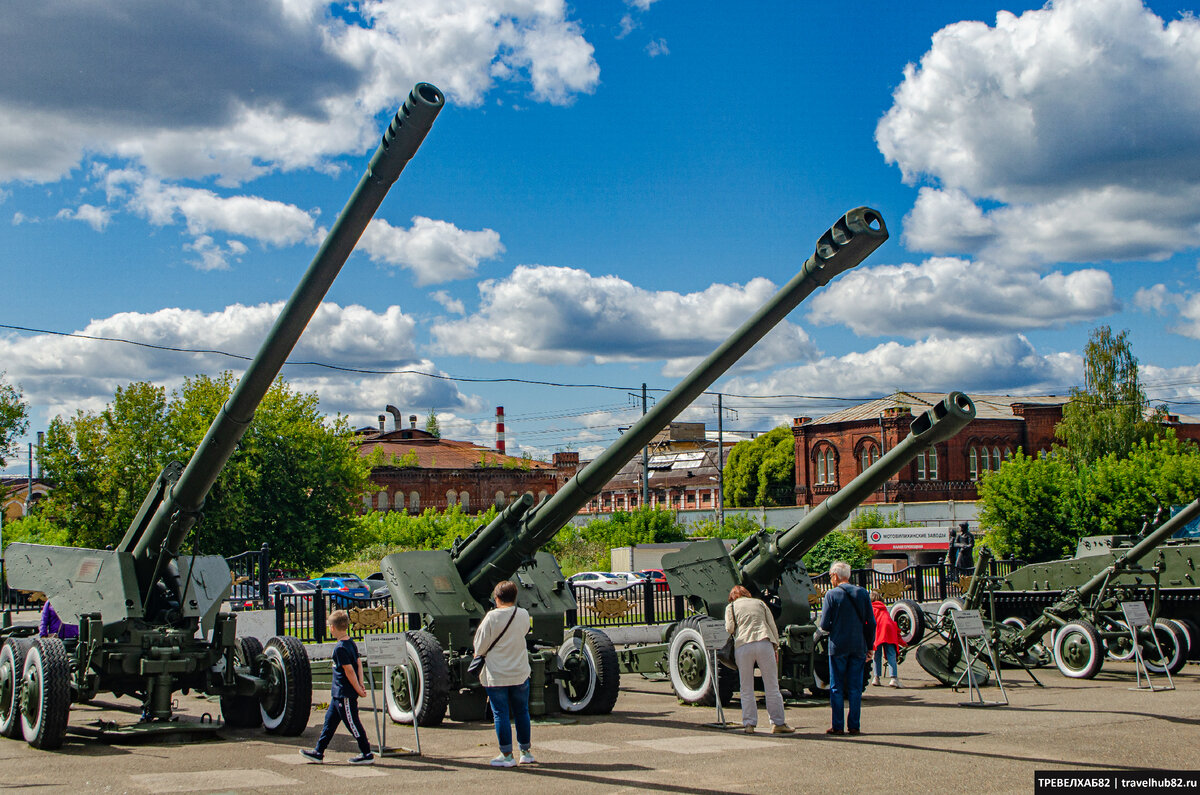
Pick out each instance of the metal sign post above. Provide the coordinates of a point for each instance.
(969, 624)
(390, 651)
(714, 636)
(1137, 616)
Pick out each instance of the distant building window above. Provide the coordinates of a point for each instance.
(921, 467)
(382, 501)
(933, 464)
(399, 501)
(414, 501)
(464, 499)
(451, 497)
(500, 500)
(995, 458)
(974, 465)
(368, 502)
(826, 467)
(927, 465)
(869, 455)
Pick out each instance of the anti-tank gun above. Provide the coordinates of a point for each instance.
(451, 589)
(770, 566)
(1085, 623)
(149, 617)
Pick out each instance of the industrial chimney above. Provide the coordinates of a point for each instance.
(500, 429)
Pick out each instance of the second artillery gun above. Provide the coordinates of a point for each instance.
(149, 617)
(1084, 622)
(450, 590)
(770, 566)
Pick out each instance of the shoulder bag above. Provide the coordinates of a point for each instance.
(725, 653)
(476, 664)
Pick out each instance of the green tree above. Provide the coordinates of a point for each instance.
(590, 546)
(1110, 414)
(874, 517)
(431, 425)
(294, 481)
(14, 418)
(762, 471)
(1029, 507)
(849, 545)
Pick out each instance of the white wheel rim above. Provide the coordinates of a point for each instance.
(684, 635)
(571, 646)
(1172, 645)
(275, 657)
(1065, 633)
(397, 713)
(8, 671)
(1123, 656)
(34, 665)
(907, 611)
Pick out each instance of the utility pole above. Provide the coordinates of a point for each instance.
(645, 458)
(720, 462)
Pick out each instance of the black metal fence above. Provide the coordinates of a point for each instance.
(925, 583)
(639, 603)
(304, 616)
(251, 570)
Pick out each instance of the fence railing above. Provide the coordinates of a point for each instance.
(251, 572)
(922, 583)
(639, 603)
(304, 616)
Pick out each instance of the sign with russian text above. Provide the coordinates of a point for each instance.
(901, 538)
(389, 649)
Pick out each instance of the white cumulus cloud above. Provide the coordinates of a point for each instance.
(435, 251)
(1068, 133)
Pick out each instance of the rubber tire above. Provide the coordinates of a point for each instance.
(1172, 643)
(687, 638)
(1015, 622)
(909, 611)
(1125, 656)
(47, 661)
(604, 673)
(1194, 634)
(953, 603)
(12, 661)
(288, 657)
(1085, 633)
(1188, 635)
(242, 712)
(432, 682)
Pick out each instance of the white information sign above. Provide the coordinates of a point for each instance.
(714, 635)
(968, 623)
(1136, 614)
(385, 649)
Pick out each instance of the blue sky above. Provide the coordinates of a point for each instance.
(612, 188)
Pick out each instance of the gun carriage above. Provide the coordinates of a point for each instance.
(149, 616)
(451, 589)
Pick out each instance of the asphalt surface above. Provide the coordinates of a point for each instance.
(914, 738)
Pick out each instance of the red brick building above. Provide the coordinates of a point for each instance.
(833, 450)
(417, 470)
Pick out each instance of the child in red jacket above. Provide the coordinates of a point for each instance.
(887, 640)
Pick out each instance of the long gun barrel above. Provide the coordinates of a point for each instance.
(939, 423)
(155, 538)
(497, 551)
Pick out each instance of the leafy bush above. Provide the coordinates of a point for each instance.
(34, 529)
(850, 546)
(590, 547)
(874, 517)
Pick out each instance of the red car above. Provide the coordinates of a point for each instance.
(655, 576)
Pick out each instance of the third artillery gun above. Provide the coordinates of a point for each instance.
(770, 566)
(450, 589)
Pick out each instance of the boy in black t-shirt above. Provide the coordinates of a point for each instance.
(343, 695)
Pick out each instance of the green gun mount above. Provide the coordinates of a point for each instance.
(770, 566)
(451, 589)
(1086, 622)
(149, 618)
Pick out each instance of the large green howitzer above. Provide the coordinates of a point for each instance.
(149, 617)
(1086, 622)
(770, 566)
(451, 589)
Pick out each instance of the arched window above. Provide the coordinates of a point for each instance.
(826, 466)
(921, 467)
(414, 501)
(382, 501)
(464, 499)
(973, 465)
(995, 458)
(451, 497)
(398, 501)
(821, 467)
(868, 455)
(368, 502)
(500, 499)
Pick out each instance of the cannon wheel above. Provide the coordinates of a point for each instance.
(949, 605)
(593, 674)
(689, 666)
(242, 712)
(12, 665)
(1014, 622)
(1174, 650)
(285, 707)
(910, 618)
(1193, 630)
(46, 693)
(430, 675)
(1120, 649)
(1188, 634)
(944, 663)
(1078, 650)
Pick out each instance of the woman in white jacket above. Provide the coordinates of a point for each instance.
(500, 640)
(756, 642)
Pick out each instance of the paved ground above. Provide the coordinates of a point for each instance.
(915, 738)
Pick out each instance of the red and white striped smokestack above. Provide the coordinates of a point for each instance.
(500, 429)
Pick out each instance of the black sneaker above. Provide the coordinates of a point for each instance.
(363, 759)
(312, 756)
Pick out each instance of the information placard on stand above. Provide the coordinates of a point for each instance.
(714, 637)
(390, 651)
(1138, 617)
(969, 624)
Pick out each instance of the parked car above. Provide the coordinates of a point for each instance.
(344, 575)
(655, 576)
(598, 580)
(379, 587)
(343, 590)
(294, 590)
(244, 596)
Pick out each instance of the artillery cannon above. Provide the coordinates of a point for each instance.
(149, 617)
(450, 589)
(1085, 622)
(770, 566)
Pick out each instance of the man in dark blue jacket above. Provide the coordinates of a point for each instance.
(847, 618)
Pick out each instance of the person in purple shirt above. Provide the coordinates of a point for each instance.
(53, 626)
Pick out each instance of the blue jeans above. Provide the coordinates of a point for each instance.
(510, 704)
(845, 684)
(890, 650)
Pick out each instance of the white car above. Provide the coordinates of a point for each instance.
(630, 577)
(598, 580)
